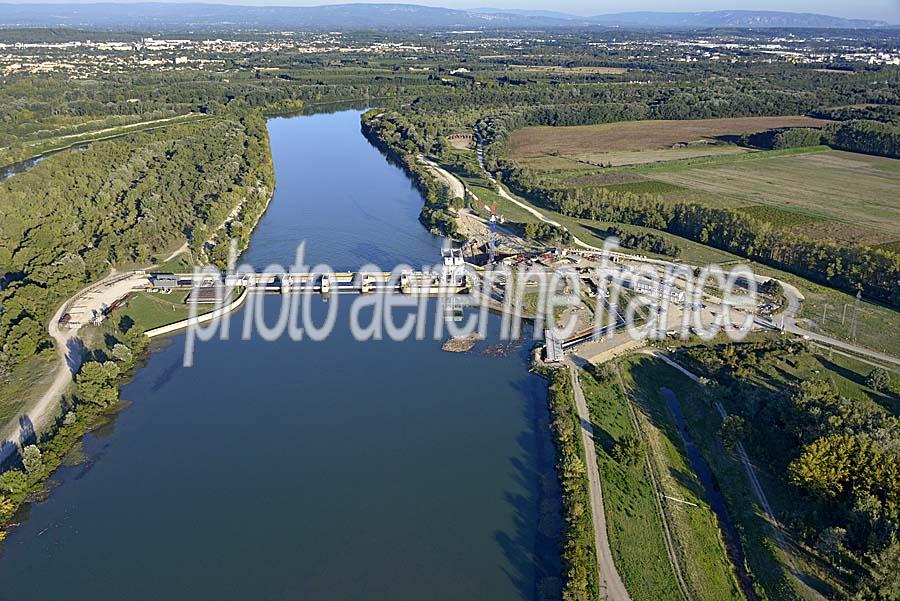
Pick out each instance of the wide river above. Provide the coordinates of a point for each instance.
(310, 470)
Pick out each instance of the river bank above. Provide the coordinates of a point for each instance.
(344, 453)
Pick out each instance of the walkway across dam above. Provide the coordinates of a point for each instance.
(345, 282)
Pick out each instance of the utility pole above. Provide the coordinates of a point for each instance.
(824, 310)
(854, 322)
(844, 314)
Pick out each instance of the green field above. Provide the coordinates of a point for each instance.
(154, 310)
(632, 520)
(22, 385)
(841, 186)
(699, 542)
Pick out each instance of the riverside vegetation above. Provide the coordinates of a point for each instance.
(206, 176)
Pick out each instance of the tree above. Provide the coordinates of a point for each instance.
(96, 383)
(13, 482)
(629, 451)
(32, 460)
(122, 353)
(885, 575)
(878, 379)
(734, 430)
(7, 508)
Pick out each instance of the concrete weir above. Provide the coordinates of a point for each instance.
(346, 282)
(453, 277)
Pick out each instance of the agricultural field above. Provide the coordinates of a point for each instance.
(560, 69)
(855, 189)
(847, 198)
(633, 142)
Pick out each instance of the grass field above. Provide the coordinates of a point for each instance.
(699, 543)
(633, 522)
(847, 198)
(841, 186)
(631, 136)
(155, 310)
(769, 565)
(27, 382)
(634, 157)
(570, 70)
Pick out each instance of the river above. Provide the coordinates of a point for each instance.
(309, 470)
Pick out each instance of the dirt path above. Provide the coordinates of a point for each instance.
(41, 411)
(457, 189)
(611, 585)
(755, 485)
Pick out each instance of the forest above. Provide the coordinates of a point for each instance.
(123, 203)
(840, 454)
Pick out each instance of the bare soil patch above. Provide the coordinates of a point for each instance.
(640, 135)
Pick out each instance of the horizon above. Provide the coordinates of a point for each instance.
(883, 10)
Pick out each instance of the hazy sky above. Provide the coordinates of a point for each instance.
(888, 10)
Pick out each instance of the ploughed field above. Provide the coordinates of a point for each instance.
(612, 141)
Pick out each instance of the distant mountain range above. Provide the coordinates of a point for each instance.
(152, 16)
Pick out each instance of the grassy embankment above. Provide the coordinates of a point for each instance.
(775, 568)
(635, 527)
(578, 553)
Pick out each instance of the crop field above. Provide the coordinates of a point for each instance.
(583, 70)
(852, 188)
(635, 136)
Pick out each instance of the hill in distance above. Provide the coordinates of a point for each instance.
(149, 16)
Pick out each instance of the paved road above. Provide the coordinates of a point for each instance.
(610, 582)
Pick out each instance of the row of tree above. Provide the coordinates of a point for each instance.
(578, 553)
(873, 271)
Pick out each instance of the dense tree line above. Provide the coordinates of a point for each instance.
(843, 454)
(870, 137)
(400, 141)
(578, 553)
(120, 203)
(646, 241)
(546, 232)
(873, 271)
